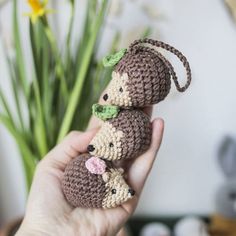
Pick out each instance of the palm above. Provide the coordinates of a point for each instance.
(56, 209)
(48, 207)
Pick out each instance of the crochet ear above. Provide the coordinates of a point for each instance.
(113, 59)
(106, 177)
(96, 166)
(105, 112)
(121, 170)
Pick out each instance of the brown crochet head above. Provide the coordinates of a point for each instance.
(143, 76)
(90, 182)
(126, 136)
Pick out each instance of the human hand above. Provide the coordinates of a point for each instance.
(48, 213)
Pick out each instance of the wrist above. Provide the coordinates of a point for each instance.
(27, 230)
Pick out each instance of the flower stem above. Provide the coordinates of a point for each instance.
(68, 40)
(76, 92)
(59, 66)
(19, 54)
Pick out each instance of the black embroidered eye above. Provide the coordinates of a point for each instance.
(113, 191)
(121, 89)
(111, 145)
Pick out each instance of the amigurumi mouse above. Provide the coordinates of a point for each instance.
(141, 77)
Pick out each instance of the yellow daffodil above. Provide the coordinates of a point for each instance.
(38, 9)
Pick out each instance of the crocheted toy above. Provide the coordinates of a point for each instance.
(141, 77)
(223, 223)
(91, 182)
(126, 136)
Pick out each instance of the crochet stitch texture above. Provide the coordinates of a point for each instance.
(142, 77)
(126, 136)
(85, 189)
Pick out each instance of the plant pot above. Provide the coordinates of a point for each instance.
(11, 228)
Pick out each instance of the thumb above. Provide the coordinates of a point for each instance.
(74, 143)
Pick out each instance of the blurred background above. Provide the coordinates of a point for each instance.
(186, 175)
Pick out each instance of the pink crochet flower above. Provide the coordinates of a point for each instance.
(95, 165)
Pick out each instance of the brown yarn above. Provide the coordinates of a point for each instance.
(126, 136)
(137, 131)
(141, 78)
(81, 188)
(149, 77)
(182, 58)
(148, 73)
(85, 189)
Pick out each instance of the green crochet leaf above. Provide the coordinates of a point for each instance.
(105, 112)
(113, 59)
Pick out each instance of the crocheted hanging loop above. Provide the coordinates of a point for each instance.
(142, 43)
(105, 112)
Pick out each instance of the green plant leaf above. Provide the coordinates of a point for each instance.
(39, 125)
(7, 108)
(59, 67)
(68, 38)
(36, 35)
(113, 59)
(19, 54)
(29, 159)
(76, 92)
(90, 18)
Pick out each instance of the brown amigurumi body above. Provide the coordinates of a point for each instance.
(84, 188)
(143, 75)
(126, 136)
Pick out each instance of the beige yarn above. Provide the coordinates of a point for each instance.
(141, 78)
(85, 189)
(106, 135)
(118, 92)
(116, 182)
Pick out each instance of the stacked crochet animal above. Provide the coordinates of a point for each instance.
(223, 223)
(141, 77)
